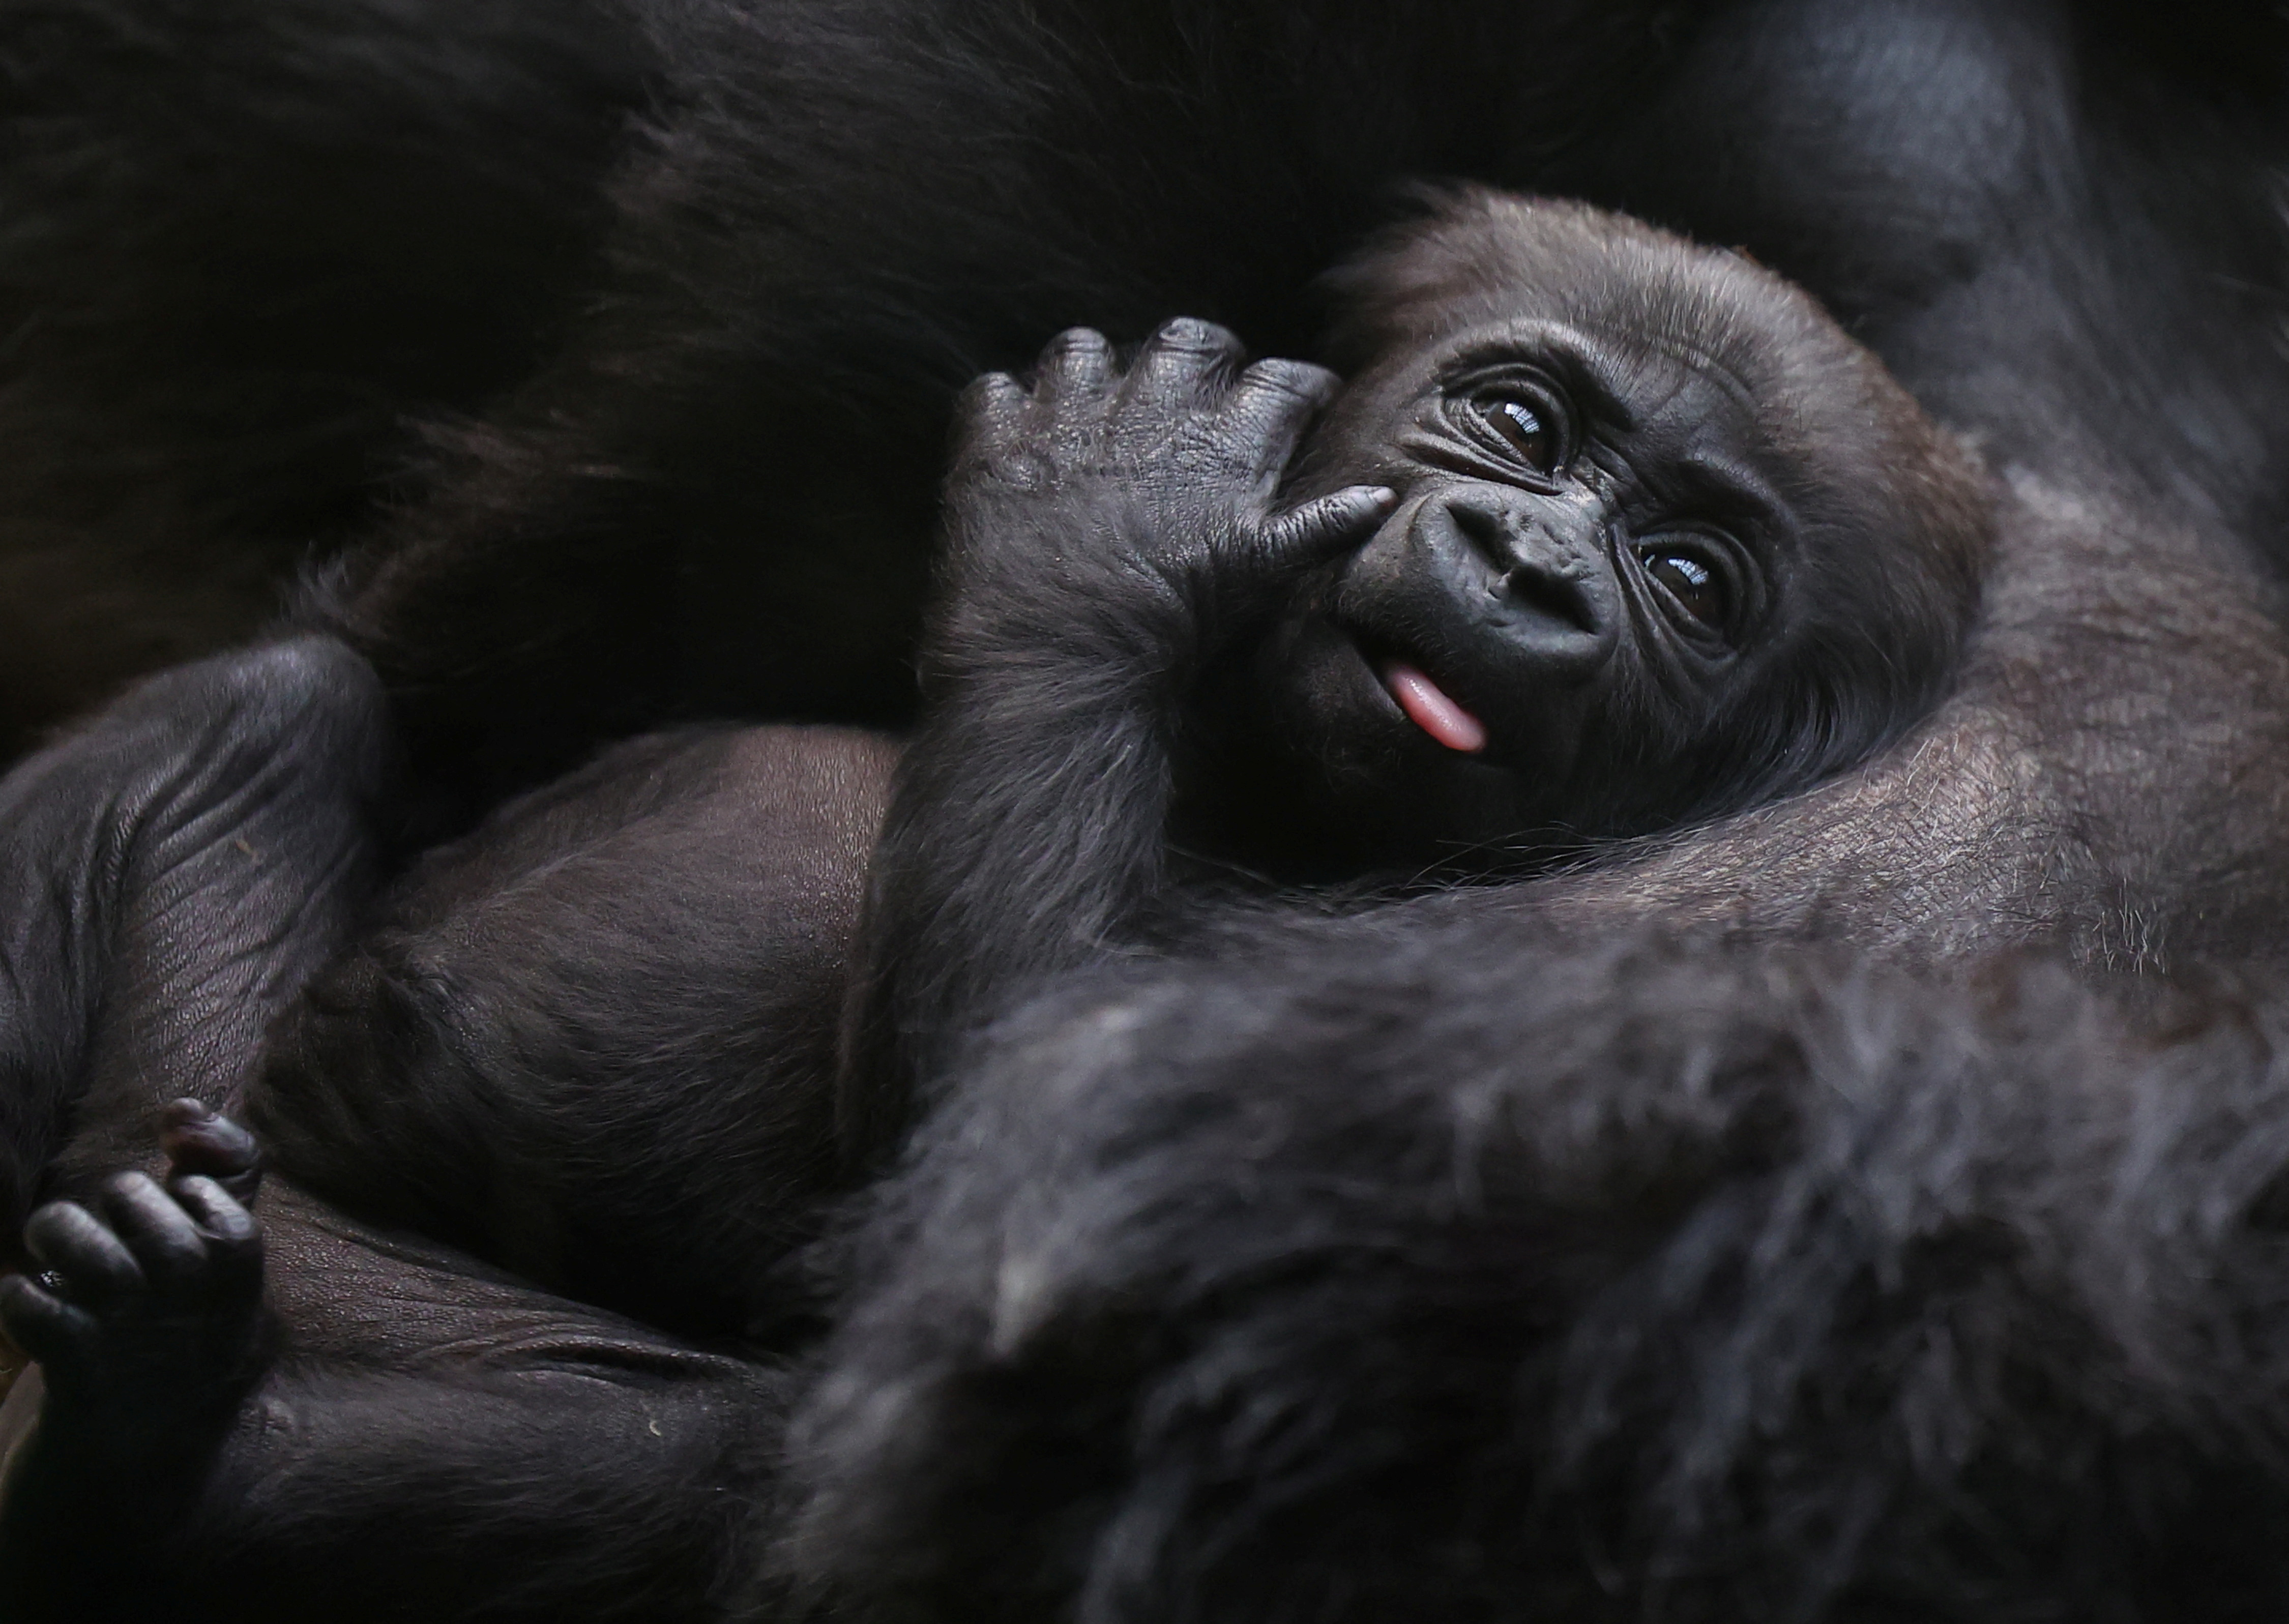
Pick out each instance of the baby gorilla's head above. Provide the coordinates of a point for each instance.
(1667, 542)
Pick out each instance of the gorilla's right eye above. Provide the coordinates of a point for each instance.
(1528, 428)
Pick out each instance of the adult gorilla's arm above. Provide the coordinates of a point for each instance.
(1106, 532)
(1468, 1272)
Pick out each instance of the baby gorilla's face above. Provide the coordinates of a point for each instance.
(1630, 580)
(1590, 539)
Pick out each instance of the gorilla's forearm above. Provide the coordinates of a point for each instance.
(1028, 825)
(1109, 529)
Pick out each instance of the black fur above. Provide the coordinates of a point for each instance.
(1468, 1274)
(2062, 242)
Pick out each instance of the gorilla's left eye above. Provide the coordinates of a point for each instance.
(1692, 579)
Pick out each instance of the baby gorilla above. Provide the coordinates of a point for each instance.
(1651, 540)
(1654, 541)
(1668, 543)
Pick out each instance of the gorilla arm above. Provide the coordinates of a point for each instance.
(1105, 531)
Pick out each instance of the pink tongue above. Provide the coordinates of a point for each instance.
(1427, 706)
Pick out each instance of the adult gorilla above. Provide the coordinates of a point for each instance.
(2048, 248)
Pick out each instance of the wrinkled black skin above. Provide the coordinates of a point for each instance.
(2061, 242)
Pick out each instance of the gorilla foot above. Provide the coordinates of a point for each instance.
(147, 1321)
(146, 1316)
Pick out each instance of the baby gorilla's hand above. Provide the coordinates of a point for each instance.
(1167, 471)
(153, 1304)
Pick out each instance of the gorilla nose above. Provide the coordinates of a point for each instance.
(1544, 588)
(1544, 573)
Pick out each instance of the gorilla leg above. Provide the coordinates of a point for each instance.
(407, 1431)
(187, 859)
(425, 1439)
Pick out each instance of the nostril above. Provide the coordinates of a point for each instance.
(1487, 532)
(1546, 592)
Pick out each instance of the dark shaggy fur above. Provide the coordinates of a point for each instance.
(2062, 240)
(1471, 1275)
(240, 245)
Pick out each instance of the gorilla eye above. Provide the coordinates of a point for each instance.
(1692, 580)
(1524, 429)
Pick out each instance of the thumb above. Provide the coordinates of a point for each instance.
(200, 1141)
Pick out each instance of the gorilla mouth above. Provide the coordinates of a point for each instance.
(1429, 707)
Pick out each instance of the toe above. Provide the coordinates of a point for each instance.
(50, 1331)
(234, 1238)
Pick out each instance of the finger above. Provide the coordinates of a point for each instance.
(226, 1224)
(1277, 400)
(233, 1236)
(1076, 365)
(1330, 523)
(1187, 363)
(165, 1242)
(220, 1216)
(985, 414)
(44, 1326)
(94, 1262)
(198, 1140)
